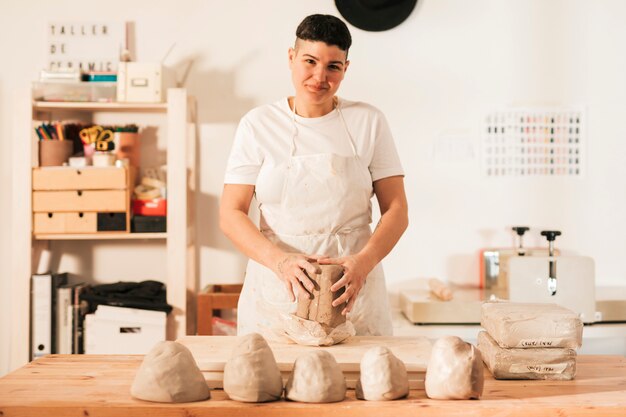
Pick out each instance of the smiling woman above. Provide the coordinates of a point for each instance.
(313, 162)
(317, 70)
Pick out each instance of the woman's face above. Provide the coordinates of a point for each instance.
(317, 70)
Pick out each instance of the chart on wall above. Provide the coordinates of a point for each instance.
(519, 142)
(87, 46)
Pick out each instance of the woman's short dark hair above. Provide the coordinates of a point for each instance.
(325, 28)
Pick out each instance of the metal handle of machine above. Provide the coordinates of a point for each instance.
(551, 236)
(520, 230)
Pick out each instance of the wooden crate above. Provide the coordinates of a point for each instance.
(217, 298)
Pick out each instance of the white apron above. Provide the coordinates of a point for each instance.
(325, 209)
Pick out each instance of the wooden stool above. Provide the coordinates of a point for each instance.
(219, 297)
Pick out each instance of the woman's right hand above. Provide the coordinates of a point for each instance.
(291, 268)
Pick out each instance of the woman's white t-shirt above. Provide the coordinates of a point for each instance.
(263, 141)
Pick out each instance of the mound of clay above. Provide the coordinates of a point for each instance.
(455, 370)
(251, 374)
(169, 374)
(383, 376)
(316, 378)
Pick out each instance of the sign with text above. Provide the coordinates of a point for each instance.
(89, 46)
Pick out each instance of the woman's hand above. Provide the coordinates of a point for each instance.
(291, 270)
(356, 269)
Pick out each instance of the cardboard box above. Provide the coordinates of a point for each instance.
(126, 331)
(143, 82)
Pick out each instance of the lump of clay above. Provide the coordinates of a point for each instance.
(383, 376)
(251, 374)
(316, 378)
(317, 306)
(169, 374)
(455, 370)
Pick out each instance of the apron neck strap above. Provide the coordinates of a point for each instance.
(336, 105)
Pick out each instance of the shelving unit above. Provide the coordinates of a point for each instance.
(181, 276)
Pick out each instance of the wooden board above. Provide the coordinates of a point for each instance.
(420, 306)
(212, 352)
(99, 385)
(215, 380)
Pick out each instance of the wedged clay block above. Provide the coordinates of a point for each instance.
(318, 305)
(540, 363)
(251, 374)
(531, 325)
(169, 374)
(383, 376)
(455, 370)
(316, 378)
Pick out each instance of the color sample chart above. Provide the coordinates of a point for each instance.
(533, 142)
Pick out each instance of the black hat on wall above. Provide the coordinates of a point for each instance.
(375, 15)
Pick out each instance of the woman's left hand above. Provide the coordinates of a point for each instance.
(356, 268)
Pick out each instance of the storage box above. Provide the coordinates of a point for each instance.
(154, 207)
(149, 224)
(74, 91)
(120, 330)
(143, 82)
(81, 200)
(112, 222)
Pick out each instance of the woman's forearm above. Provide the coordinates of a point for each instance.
(390, 228)
(393, 221)
(238, 227)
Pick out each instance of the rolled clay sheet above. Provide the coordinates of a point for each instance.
(531, 325)
(317, 306)
(383, 376)
(455, 370)
(251, 374)
(169, 374)
(316, 378)
(540, 363)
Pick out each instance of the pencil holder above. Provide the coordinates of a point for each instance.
(127, 146)
(54, 152)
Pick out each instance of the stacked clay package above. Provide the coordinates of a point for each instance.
(529, 341)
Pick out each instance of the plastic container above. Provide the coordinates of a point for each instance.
(74, 91)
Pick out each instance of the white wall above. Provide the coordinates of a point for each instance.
(433, 76)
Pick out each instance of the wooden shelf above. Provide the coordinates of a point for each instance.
(94, 106)
(177, 117)
(101, 236)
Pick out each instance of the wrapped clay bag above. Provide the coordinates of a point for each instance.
(251, 374)
(383, 376)
(169, 374)
(455, 370)
(316, 378)
(316, 322)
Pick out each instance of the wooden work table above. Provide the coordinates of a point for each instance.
(99, 385)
